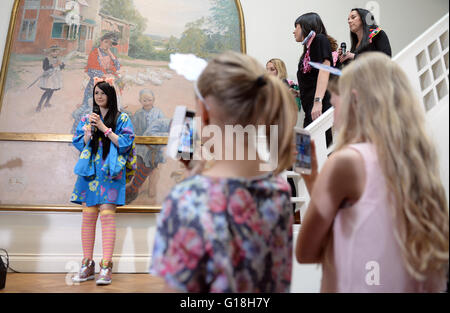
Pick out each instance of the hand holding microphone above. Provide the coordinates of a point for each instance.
(92, 120)
(344, 54)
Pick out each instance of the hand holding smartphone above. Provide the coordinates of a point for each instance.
(181, 136)
(303, 160)
(186, 143)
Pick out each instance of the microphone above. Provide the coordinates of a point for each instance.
(344, 48)
(96, 110)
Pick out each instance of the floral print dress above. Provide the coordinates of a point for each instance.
(102, 181)
(226, 235)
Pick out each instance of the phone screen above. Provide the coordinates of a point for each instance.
(186, 143)
(303, 146)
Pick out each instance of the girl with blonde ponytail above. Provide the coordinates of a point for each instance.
(380, 220)
(229, 229)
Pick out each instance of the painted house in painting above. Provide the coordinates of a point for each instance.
(121, 27)
(70, 24)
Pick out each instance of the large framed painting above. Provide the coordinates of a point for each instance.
(54, 50)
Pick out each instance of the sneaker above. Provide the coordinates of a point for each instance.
(105, 273)
(87, 271)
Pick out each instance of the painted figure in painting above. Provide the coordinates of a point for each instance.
(51, 80)
(129, 40)
(147, 121)
(101, 63)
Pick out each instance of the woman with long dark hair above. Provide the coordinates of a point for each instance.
(365, 36)
(105, 140)
(318, 47)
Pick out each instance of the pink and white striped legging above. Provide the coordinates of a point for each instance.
(88, 228)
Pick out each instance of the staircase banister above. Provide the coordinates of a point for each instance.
(317, 130)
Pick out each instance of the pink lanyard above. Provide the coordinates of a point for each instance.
(306, 66)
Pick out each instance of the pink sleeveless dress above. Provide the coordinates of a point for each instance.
(363, 255)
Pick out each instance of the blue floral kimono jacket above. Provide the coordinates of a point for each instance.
(103, 181)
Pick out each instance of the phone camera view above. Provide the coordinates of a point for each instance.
(186, 147)
(303, 145)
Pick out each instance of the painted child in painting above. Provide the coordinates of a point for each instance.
(105, 141)
(51, 80)
(147, 121)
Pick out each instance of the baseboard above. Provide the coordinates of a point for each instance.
(34, 263)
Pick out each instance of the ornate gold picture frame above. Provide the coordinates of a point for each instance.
(36, 126)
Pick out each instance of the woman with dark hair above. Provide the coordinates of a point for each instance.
(365, 35)
(318, 47)
(105, 141)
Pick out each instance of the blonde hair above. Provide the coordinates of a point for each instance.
(385, 112)
(280, 67)
(232, 79)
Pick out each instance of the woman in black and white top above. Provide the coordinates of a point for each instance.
(312, 82)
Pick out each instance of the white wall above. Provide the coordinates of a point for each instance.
(269, 24)
(5, 14)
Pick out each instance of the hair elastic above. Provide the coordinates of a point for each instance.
(261, 81)
(108, 132)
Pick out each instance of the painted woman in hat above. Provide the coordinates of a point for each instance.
(51, 79)
(102, 63)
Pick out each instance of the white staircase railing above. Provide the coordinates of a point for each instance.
(426, 62)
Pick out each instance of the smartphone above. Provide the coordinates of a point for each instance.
(303, 159)
(181, 136)
(186, 141)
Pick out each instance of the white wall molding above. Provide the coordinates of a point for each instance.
(48, 242)
(70, 263)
